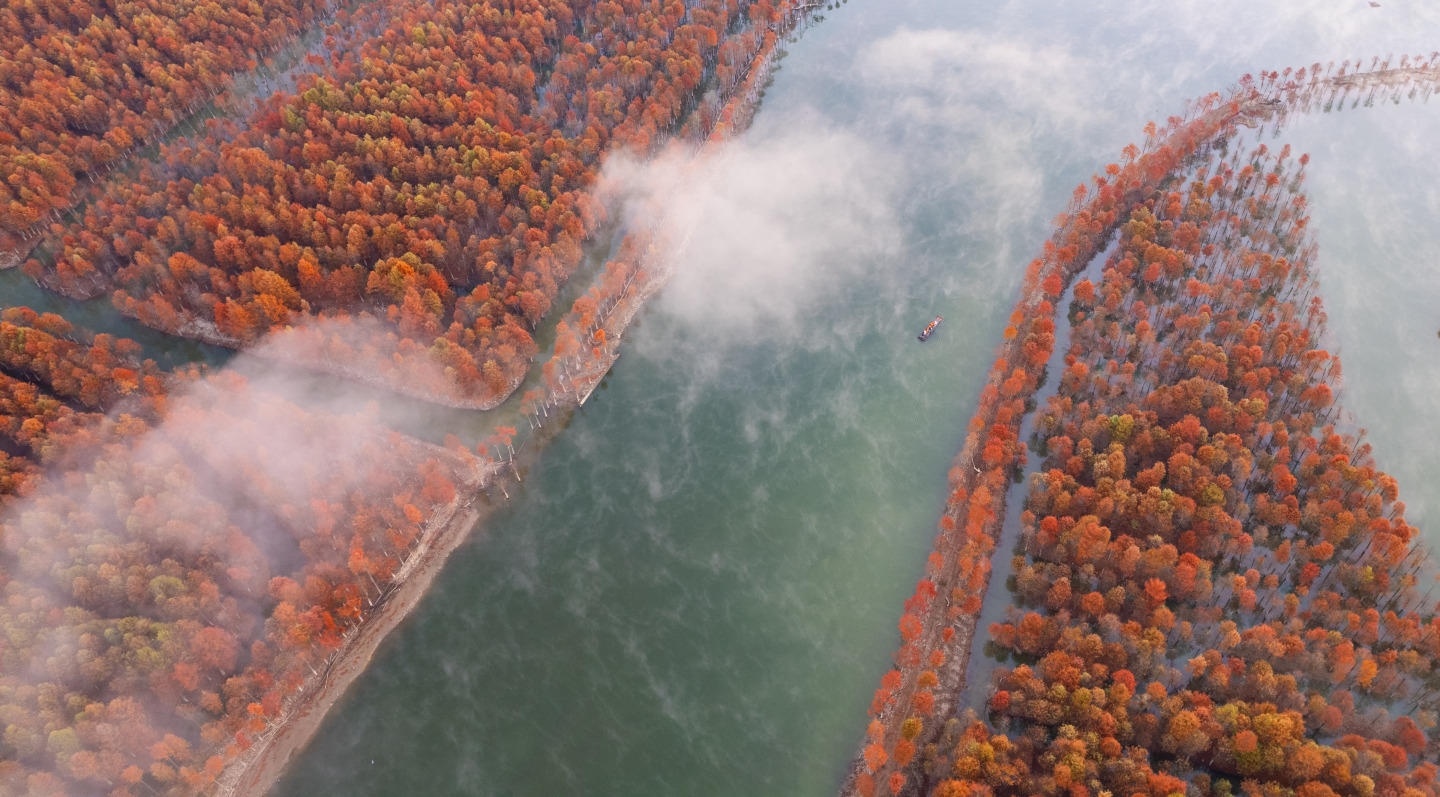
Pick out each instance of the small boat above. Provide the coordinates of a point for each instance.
(931, 329)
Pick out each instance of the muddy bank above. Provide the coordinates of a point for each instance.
(256, 770)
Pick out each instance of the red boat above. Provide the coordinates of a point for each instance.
(931, 329)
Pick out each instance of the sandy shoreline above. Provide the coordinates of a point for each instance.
(256, 771)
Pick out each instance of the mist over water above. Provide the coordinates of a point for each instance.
(695, 590)
(772, 226)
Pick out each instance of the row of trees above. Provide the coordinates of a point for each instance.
(178, 568)
(1327, 87)
(100, 374)
(35, 429)
(1370, 593)
(82, 83)
(939, 622)
(54, 389)
(1217, 587)
(431, 187)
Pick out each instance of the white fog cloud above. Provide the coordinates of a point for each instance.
(766, 224)
(965, 78)
(988, 110)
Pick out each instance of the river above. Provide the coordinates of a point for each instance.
(695, 590)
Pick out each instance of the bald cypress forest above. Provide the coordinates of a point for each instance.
(352, 265)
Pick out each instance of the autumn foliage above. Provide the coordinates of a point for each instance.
(587, 338)
(186, 552)
(55, 389)
(86, 83)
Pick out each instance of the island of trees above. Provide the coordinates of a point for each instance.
(1214, 589)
